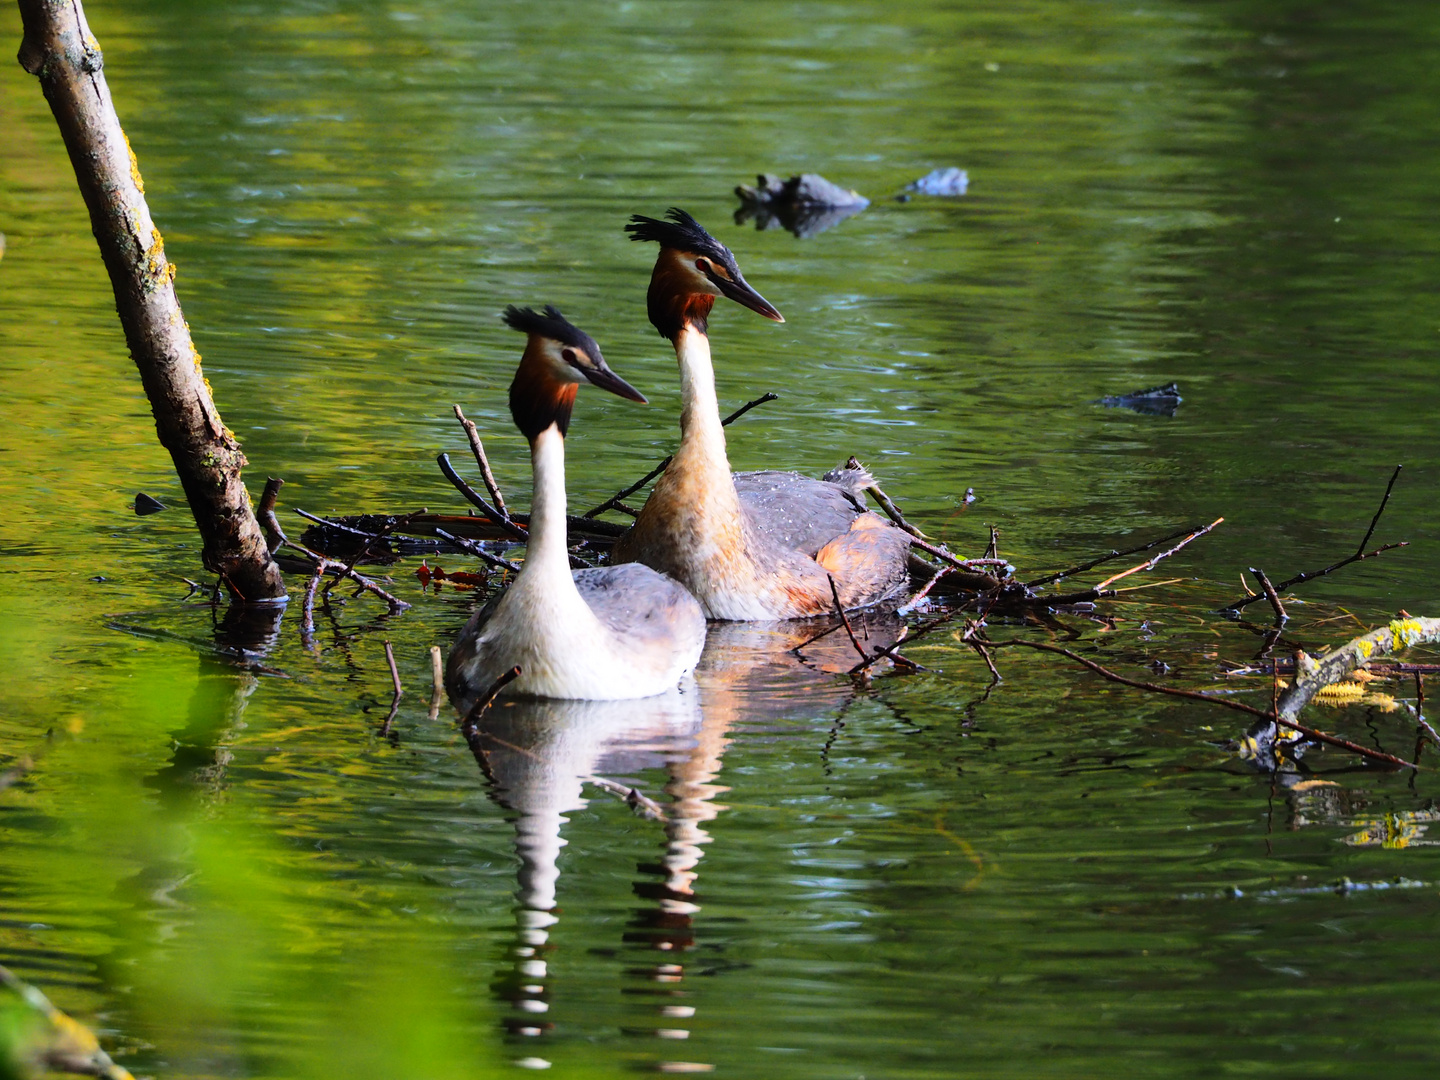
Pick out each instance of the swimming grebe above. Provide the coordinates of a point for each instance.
(603, 634)
(755, 545)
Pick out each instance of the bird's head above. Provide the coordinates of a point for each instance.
(692, 270)
(559, 358)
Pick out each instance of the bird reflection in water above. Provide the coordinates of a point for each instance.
(540, 757)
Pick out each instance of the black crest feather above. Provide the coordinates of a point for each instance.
(681, 232)
(552, 325)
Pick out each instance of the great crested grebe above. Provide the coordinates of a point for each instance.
(751, 546)
(604, 634)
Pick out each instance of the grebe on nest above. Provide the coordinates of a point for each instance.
(751, 546)
(602, 634)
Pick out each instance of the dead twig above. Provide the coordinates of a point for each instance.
(479, 552)
(1271, 595)
(1194, 695)
(330, 566)
(478, 501)
(1073, 570)
(399, 690)
(612, 502)
(1150, 563)
(911, 604)
(478, 449)
(972, 637)
(467, 726)
(437, 681)
(845, 619)
(265, 513)
(1360, 554)
(389, 527)
(891, 510)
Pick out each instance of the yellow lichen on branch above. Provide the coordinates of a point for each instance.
(1315, 674)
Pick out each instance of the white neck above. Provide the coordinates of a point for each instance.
(700, 429)
(547, 554)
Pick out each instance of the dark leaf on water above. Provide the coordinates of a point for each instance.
(1157, 401)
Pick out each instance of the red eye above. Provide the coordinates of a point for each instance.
(570, 356)
(703, 265)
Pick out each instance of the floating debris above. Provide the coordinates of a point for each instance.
(945, 182)
(1339, 888)
(806, 204)
(144, 504)
(1157, 401)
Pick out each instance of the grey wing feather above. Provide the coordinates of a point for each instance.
(643, 605)
(796, 512)
(466, 666)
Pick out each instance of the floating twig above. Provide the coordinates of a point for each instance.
(1073, 570)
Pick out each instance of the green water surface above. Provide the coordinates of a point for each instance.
(219, 861)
